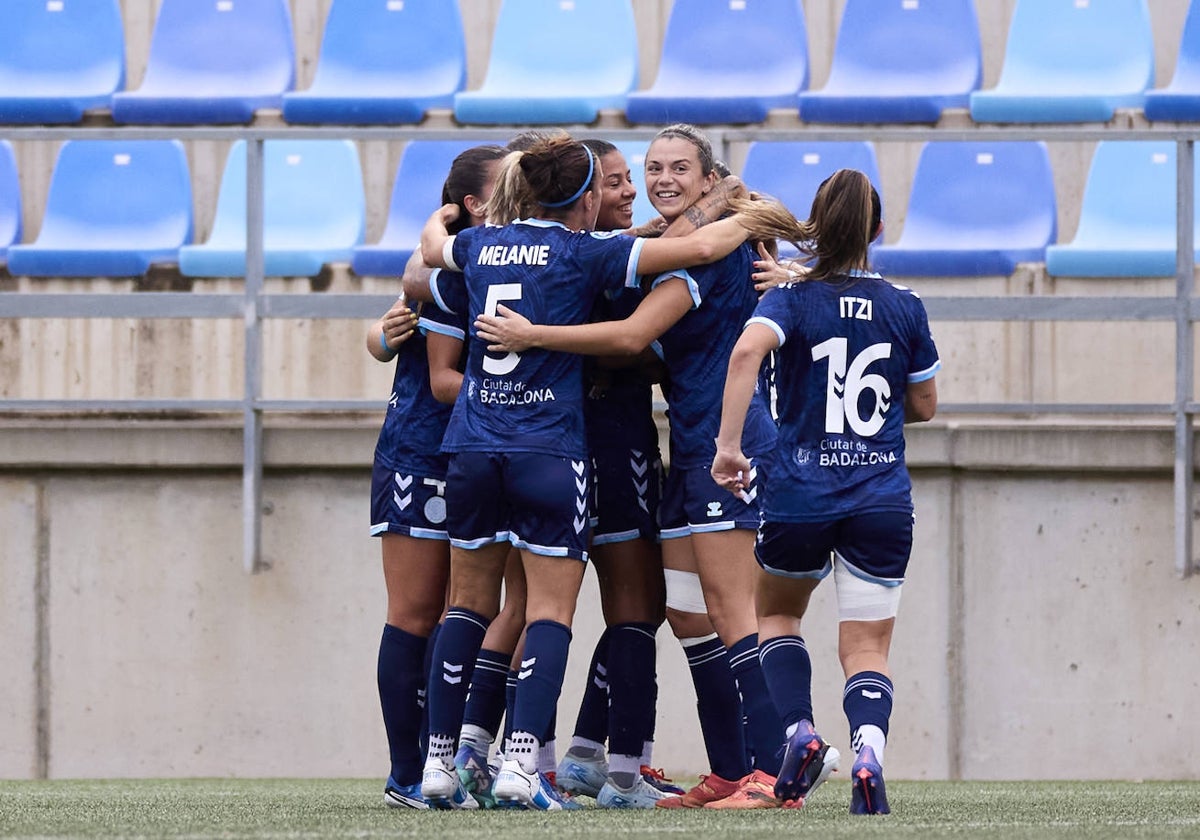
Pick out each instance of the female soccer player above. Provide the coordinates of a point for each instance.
(708, 540)
(408, 506)
(619, 695)
(518, 467)
(855, 362)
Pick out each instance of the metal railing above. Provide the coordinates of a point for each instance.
(254, 305)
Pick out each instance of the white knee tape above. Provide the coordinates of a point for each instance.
(863, 600)
(684, 592)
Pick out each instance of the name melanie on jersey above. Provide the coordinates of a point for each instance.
(514, 255)
(500, 392)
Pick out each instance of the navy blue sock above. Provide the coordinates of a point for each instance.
(787, 669)
(631, 660)
(719, 708)
(426, 665)
(592, 722)
(453, 663)
(510, 703)
(765, 730)
(539, 680)
(400, 679)
(485, 701)
(867, 701)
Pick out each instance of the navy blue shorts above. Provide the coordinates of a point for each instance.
(874, 546)
(536, 502)
(693, 503)
(407, 503)
(627, 487)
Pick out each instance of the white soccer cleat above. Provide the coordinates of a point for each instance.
(442, 788)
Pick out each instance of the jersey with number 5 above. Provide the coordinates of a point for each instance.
(848, 351)
(531, 401)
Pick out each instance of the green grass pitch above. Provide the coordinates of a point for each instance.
(291, 808)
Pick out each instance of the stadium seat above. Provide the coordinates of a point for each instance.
(726, 61)
(1127, 220)
(384, 62)
(791, 171)
(899, 61)
(314, 211)
(114, 208)
(1071, 61)
(416, 193)
(10, 199)
(555, 62)
(214, 62)
(59, 59)
(1180, 100)
(975, 209)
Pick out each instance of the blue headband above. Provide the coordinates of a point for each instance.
(582, 189)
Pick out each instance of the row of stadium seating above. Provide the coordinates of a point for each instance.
(563, 61)
(117, 207)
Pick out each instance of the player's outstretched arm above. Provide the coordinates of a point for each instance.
(731, 468)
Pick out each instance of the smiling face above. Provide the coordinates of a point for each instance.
(674, 176)
(617, 193)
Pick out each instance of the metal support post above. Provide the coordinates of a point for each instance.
(1185, 260)
(252, 433)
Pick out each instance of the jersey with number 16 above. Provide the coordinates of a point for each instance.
(847, 352)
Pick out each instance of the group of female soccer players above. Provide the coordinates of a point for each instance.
(544, 321)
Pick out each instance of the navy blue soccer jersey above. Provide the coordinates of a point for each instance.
(696, 351)
(448, 315)
(619, 410)
(847, 353)
(411, 437)
(531, 401)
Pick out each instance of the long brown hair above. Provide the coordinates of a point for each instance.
(840, 226)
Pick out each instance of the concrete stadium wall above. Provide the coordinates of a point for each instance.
(1042, 617)
(1042, 605)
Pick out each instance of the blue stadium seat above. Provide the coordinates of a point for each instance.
(416, 193)
(313, 206)
(555, 62)
(1180, 100)
(1071, 61)
(213, 61)
(115, 207)
(726, 61)
(10, 199)
(59, 59)
(899, 61)
(975, 209)
(384, 62)
(1127, 221)
(791, 171)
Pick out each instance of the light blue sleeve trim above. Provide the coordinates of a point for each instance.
(682, 274)
(771, 325)
(448, 254)
(437, 294)
(928, 373)
(656, 346)
(426, 326)
(631, 273)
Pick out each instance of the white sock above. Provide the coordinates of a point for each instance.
(871, 736)
(442, 747)
(477, 737)
(523, 749)
(624, 770)
(585, 747)
(547, 759)
(647, 751)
